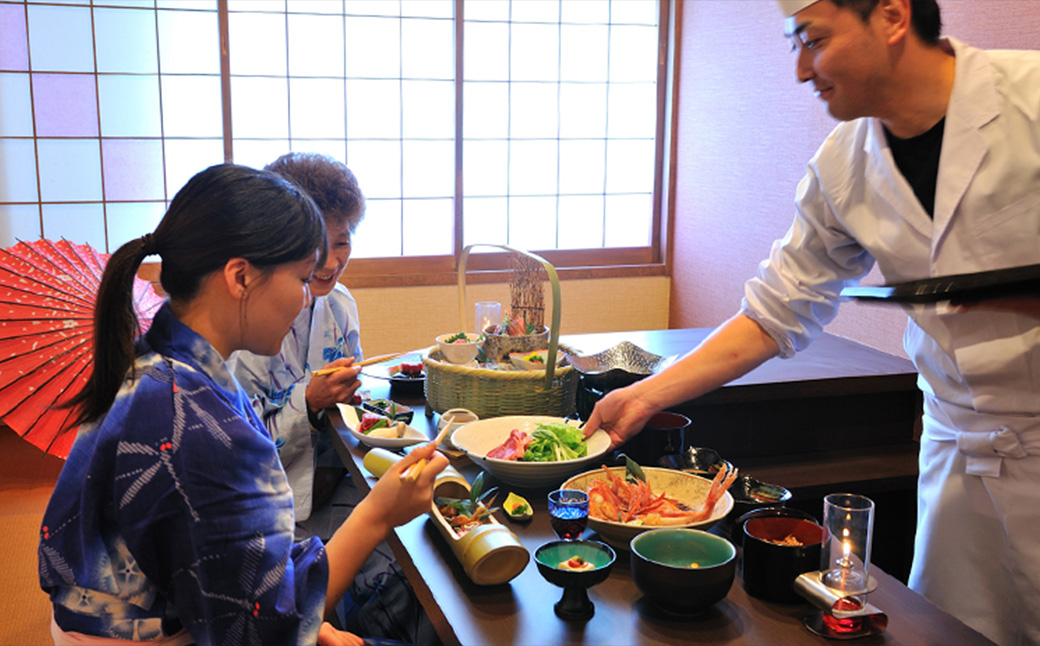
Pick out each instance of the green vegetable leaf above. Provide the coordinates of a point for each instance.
(554, 442)
(461, 336)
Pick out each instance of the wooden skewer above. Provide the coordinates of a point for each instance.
(366, 362)
(415, 468)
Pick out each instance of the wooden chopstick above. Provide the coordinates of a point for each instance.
(414, 469)
(366, 362)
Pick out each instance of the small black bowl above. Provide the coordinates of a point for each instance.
(778, 547)
(750, 493)
(405, 385)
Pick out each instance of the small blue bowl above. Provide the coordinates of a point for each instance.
(683, 571)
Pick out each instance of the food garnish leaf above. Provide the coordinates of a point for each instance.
(475, 488)
(633, 471)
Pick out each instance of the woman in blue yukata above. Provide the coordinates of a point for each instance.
(292, 404)
(172, 520)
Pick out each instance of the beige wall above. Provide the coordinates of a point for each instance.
(746, 130)
(406, 318)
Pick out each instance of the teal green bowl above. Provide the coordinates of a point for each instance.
(550, 555)
(662, 565)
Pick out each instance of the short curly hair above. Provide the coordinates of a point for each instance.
(331, 185)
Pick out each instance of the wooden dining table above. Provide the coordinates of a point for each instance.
(521, 611)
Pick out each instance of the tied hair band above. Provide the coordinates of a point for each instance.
(148, 244)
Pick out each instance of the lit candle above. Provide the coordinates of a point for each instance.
(848, 520)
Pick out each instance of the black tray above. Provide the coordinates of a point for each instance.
(960, 288)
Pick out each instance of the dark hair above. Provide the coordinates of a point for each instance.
(226, 211)
(924, 16)
(332, 185)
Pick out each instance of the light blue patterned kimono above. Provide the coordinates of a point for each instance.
(326, 331)
(173, 510)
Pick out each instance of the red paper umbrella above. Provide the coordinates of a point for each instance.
(47, 295)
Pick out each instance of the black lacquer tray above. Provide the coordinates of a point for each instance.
(958, 288)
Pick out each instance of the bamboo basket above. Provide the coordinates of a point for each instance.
(494, 393)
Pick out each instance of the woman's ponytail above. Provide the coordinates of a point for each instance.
(116, 329)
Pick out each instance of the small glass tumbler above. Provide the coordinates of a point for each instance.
(568, 512)
(848, 531)
(488, 313)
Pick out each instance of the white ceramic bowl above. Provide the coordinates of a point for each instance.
(477, 438)
(459, 417)
(684, 487)
(458, 352)
(411, 435)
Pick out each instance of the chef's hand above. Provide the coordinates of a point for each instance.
(1025, 305)
(329, 636)
(622, 413)
(325, 391)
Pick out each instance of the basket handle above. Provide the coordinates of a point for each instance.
(554, 281)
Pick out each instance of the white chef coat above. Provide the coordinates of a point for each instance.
(277, 385)
(977, 553)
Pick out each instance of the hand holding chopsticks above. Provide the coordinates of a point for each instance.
(414, 469)
(366, 362)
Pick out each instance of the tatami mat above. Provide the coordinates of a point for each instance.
(24, 607)
(27, 477)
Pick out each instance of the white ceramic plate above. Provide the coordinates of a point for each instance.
(477, 438)
(684, 487)
(411, 435)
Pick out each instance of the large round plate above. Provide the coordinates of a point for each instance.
(684, 487)
(477, 438)
(411, 435)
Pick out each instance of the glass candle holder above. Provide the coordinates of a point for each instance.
(848, 531)
(487, 313)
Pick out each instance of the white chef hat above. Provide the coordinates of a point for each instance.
(791, 7)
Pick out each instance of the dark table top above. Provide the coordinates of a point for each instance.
(521, 612)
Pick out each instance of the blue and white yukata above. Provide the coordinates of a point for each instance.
(173, 511)
(380, 602)
(277, 385)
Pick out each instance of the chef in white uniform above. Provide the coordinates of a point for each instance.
(906, 96)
